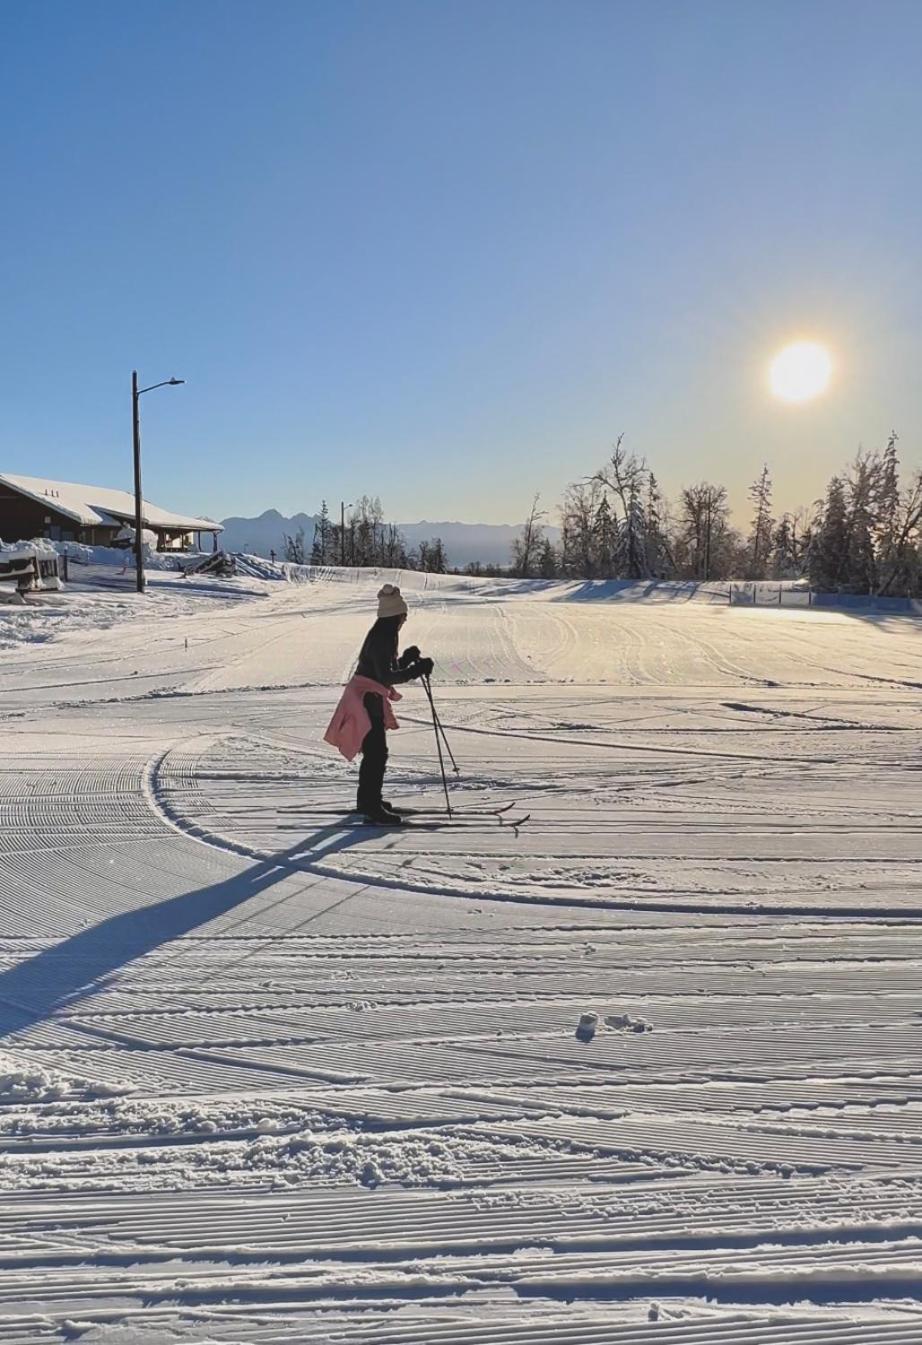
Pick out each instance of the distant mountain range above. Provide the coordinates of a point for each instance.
(488, 543)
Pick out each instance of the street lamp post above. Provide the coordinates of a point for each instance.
(136, 393)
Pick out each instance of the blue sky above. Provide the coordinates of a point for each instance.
(445, 251)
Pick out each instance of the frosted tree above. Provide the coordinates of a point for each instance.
(604, 540)
(294, 547)
(862, 492)
(760, 536)
(828, 556)
(904, 572)
(320, 551)
(365, 520)
(625, 475)
(548, 566)
(432, 556)
(631, 554)
(577, 518)
(782, 559)
(392, 546)
(526, 546)
(801, 536)
(660, 558)
(888, 515)
(704, 530)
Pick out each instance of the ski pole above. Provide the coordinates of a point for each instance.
(438, 743)
(441, 729)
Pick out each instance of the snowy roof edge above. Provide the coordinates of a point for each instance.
(111, 506)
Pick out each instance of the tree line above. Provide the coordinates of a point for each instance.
(363, 538)
(863, 536)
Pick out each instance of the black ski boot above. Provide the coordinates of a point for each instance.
(380, 816)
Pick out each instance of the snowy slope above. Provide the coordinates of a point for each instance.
(266, 1077)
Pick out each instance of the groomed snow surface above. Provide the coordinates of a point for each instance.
(646, 1069)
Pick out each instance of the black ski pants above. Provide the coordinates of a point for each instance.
(374, 756)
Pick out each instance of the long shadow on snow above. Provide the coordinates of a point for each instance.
(79, 967)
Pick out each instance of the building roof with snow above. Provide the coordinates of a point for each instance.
(101, 506)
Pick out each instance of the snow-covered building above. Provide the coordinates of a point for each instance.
(96, 515)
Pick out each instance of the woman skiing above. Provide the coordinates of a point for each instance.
(364, 713)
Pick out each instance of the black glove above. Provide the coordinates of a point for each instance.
(424, 667)
(409, 656)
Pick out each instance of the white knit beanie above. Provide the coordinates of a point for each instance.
(390, 602)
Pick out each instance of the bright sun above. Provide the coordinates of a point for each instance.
(800, 371)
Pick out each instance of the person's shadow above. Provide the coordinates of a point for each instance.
(80, 966)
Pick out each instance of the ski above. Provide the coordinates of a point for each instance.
(474, 824)
(468, 822)
(434, 821)
(408, 811)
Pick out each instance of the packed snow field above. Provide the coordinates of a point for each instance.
(646, 1067)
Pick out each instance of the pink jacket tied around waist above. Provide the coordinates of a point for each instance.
(351, 721)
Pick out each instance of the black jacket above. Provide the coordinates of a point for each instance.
(378, 658)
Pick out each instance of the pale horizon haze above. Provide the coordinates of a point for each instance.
(446, 252)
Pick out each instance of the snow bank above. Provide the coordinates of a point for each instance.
(39, 546)
(122, 557)
(737, 593)
(772, 593)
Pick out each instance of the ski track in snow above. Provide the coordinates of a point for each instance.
(268, 1077)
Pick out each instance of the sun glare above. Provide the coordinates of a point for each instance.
(800, 371)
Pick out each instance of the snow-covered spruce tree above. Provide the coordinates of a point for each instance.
(760, 536)
(782, 563)
(604, 540)
(827, 561)
(548, 564)
(320, 551)
(904, 575)
(887, 516)
(631, 553)
(861, 555)
(660, 559)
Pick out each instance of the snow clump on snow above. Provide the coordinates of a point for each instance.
(38, 1084)
(588, 1024)
(625, 1023)
(368, 1160)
